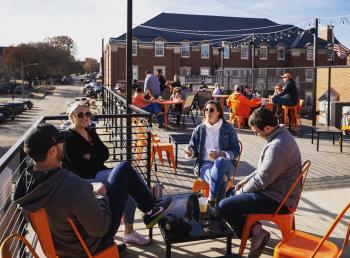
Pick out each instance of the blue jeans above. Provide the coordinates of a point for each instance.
(216, 175)
(154, 109)
(282, 101)
(234, 208)
(130, 206)
(123, 181)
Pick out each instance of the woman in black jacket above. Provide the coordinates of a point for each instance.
(85, 154)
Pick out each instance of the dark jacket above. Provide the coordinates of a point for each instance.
(65, 195)
(162, 82)
(290, 91)
(74, 149)
(228, 142)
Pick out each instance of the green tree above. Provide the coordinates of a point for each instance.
(91, 65)
(64, 42)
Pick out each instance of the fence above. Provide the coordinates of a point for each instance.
(113, 131)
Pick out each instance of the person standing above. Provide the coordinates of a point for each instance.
(152, 82)
(263, 190)
(161, 79)
(214, 145)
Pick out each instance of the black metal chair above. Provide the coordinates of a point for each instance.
(187, 108)
(202, 98)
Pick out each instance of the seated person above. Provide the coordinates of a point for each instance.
(151, 106)
(149, 95)
(63, 195)
(239, 104)
(278, 89)
(85, 154)
(248, 92)
(262, 191)
(215, 147)
(167, 91)
(177, 107)
(176, 82)
(289, 96)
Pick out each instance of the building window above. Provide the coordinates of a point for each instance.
(330, 54)
(263, 53)
(185, 50)
(205, 51)
(308, 99)
(226, 52)
(244, 52)
(134, 48)
(309, 75)
(205, 71)
(309, 53)
(135, 72)
(185, 71)
(281, 53)
(156, 68)
(159, 48)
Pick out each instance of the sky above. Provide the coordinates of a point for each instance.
(88, 21)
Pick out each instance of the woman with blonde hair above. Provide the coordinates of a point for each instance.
(85, 154)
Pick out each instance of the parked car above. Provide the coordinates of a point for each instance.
(2, 117)
(19, 106)
(8, 111)
(27, 103)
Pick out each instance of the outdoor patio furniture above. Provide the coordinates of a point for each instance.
(188, 107)
(201, 186)
(41, 227)
(299, 244)
(8, 243)
(178, 139)
(159, 148)
(285, 222)
(207, 227)
(327, 130)
(291, 116)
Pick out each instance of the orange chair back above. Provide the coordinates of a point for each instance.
(41, 226)
(6, 245)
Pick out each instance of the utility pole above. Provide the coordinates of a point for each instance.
(314, 89)
(222, 63)
(252, 42)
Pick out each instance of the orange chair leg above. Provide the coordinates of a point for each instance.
(245, 234)
(200, 185)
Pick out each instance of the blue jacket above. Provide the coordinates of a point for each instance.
(228, 142)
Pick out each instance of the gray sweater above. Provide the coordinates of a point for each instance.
(279, 166)
(65, 195)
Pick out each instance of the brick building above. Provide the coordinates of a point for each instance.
(195, 50)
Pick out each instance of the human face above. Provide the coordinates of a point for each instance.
(278, 89)
(258, 132)
(211, 113)
(81, 117)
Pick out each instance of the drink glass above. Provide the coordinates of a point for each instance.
(203, 204)
(210, 151)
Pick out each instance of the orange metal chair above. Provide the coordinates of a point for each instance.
(299, 244)
(285, 222)
(201, 186)
(6, 245)
(159, 147)
(41, 227)
(294, 121)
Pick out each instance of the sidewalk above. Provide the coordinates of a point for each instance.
(316, 212)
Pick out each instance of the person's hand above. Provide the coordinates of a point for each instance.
(101, 190)
(188, 151)
(239, 185)
(87, 156)
(215, 154)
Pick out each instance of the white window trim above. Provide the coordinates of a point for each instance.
(188, 68)
(205, 57)
(284, 53)
(136, 77)
(244, 57)
(308, 79)
(200, 71)
(260, 53)
(312, 51)
(157, 67)
(228, 52)
(185, 44)
(134, 43)
(155, 48)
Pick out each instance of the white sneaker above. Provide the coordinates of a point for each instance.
(136, 238)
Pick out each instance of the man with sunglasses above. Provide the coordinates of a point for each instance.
(263, 190)
(96, 212)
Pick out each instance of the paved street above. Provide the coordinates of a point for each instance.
(52, 104)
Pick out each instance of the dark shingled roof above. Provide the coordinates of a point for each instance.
(215, 23)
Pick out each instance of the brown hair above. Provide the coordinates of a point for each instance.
(218, 108)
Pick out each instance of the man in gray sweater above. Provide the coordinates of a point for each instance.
(263, 190)
(96, 213)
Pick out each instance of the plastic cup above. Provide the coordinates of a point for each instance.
(96, 185)
(203, 204)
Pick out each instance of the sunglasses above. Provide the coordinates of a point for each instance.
(82, 114)
(210, 110)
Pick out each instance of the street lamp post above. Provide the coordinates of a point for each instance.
(22, 75)
(221, 51)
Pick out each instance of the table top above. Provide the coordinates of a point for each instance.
(168, 102)
(180, 138)
(326, 129)
(221, 96)
(207, 226)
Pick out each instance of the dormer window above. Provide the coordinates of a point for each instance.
(281, 53)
